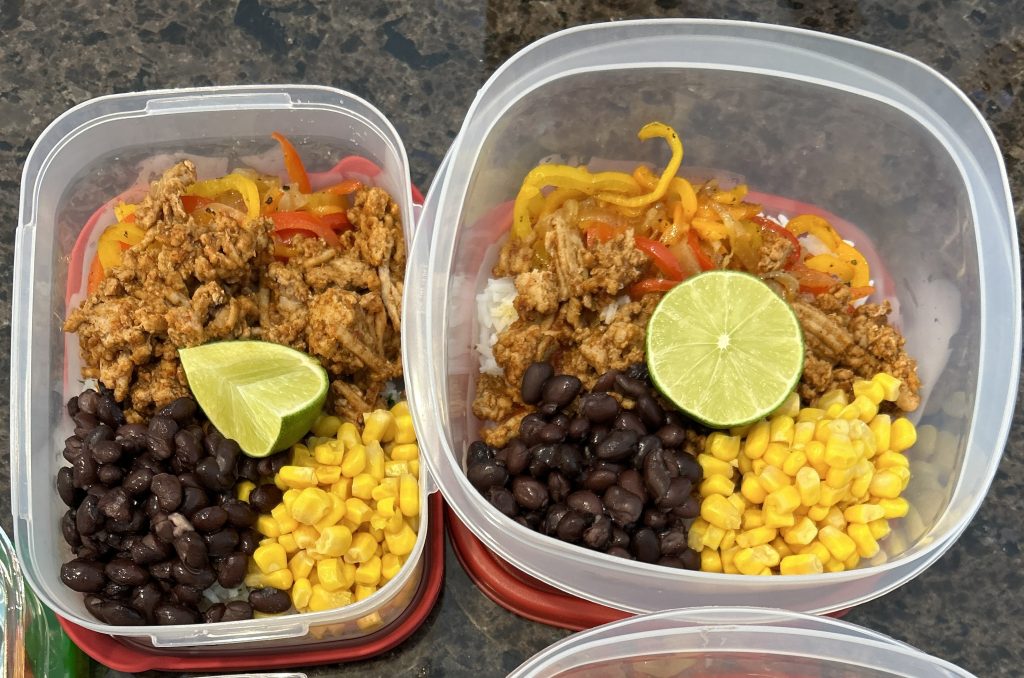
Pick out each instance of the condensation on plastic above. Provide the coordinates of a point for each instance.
(103, 148)
(877, 138)
(709, 642)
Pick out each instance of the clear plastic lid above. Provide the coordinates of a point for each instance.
(731, 642)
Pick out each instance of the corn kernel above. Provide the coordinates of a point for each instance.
(815, 451)
(285, 522)
(832, 495)
(710, 561)
(817, 513)
(405, 452)
(805, 563)
(408, 496)
(839, 477)
(861, 535)
(712, 466)
(751, 489)
(849, 412)
(780, 545)
(342, 489)
(330, 575)
(267, 526)
(757, 465)
(695, 536)
(374, 460)
(766, 555)
(879, 529)
(746, 563)
(872, 390)
(781, 430)
(773, 479)
(329, 454)
(368, 573)
(363, 592)
(852, 561)
(894, 507)
(903, 435)
(863, 513)
(795, 461)
(301, 456)
(362, 486)
(790, 407)
(349, 436)
(378, 426)
(718, 511)
(395, 469)
(839, 451)
(305, 536)
(757, 440)
(833, 397)
(881, 427)
(756, 536)
(404, 432)
(808, 485)
(810, 414)
(728, 539)
(801, 533)
(835, 518)
(334, 541)
(834, 566)
(288, 498)
(354, 462)
(387, 488)
(712, 485)
(886, 484)
(301, 565)
(243, 489)
(775, 519)
(298, 477)
(838, 543)
(818, 549)
(287, 542)
(752, 518)
(776, 454)
(301, 591)
(333, 515)
(867, 409)
(321, 599)
(280, 579)
(357, 510)
(362, 548)
(784, 500)
(863, 474)
(390, 564)
(890, 385)
(311, 506)
(270, 558)
(326, 426)
(723, 447)
(402, 542)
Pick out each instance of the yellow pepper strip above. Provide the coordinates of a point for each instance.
(831, 264)
(530, 201)
(732, 196)
(122, 210)
(816, 226)
(649, 131)
(212, 188)
(109, 254)
(709, 229)
(687, 196)
(645, 177)
(861, 274)
(557, 198)
(128, 233)
(678, 228)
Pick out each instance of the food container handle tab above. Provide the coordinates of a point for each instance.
(220, 102)
(226, 634)
(21, 348)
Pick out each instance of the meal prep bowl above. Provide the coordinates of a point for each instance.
(875, 138)
(731, 642)
(115, 145)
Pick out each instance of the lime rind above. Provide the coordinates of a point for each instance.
(724, 348)
(264, 396)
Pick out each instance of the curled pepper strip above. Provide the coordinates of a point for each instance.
(127, 233)
(649, 131)
(687, 196)
(861, 273)
(211, 188)
(816, 226)
(831, 264)
(293, 163)
(530, 201)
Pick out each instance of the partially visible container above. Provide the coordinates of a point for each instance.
(112, 146)
(872, 136)
(729, 642)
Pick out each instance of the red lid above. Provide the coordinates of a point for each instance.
(111, 652)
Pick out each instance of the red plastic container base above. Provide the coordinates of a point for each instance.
(111, 652)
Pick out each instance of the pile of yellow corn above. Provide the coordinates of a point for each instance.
(349, 514)
(807, 490)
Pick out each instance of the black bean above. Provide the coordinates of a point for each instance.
(131, 436)
(180, 410)
(73, 447)
(529, 492)
(645, 445)
(627, 421)
(597, 434)
(568, 460)
(551, 434)
(110, 474)
(237, 610)
(623, 506)
(115, 504)
(645, 545)
(148, 461)
(638, 371)
(691, 559)
(265, 497)
(617, 445)
(125, 572)
(598, 535)
(167, 489)
(117, 613)
(148, 550)
(109, 412)
(533, 382)
(68, 529)
(226, 454)
(222, 542)
(532, 519)
(656, 476)
(561, 420)
(193, 500)
(543, 459)
(162, 427)
(239, 513)
(628, 386)
(231, 570)
(478, 451)
(517, 456)
(145, 598)
(671, 561)
(187, 595)
(673, 542)
(191, 548)
(73, 406)
(214, 613)
(561, 389)
(552, 517)
(619, 537)
(502, 500)
(183, 574)
(83, 471)
(688, 509)
(246, 469)
(530, 426)
(163, 527)
(96, 490)
(137, 481)
(84, 422)
(88, 401)
(66, 486)
(547, 409)
(168, 614)
(650, 412)
(606, 382)
(631, 480)
(280, 460)
(599, 408)
(586, 502)
(689, 468)
(487, 474)
(99, 434)
(578, 428)
(248, 541)
(210, 476)
(570, 527)
(88, 518)
(163, 570)
(189, 480)
(160, 448)
(558, 486)
(269, 600)
(209, 519)
(187, 450)
(601, 476)
(619, 552)
(107, 451)
(671, 435)
(677, 494)
(84, 576)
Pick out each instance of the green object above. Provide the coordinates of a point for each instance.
(264, 396)
(724, 348)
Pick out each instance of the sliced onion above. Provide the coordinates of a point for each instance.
(227, 210)
(785, 281)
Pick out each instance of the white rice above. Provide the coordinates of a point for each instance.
(607, 314)
(494, 312)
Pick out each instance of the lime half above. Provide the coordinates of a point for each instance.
(263, 396)
(724, 348)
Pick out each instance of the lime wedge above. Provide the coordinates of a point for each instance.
(724, 348)
(263, 396)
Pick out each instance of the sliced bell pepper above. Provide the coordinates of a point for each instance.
(556, 198)
(648, 285)
(816, 226)
(598, 231)
(687, 197)
(702, 258)
(282, 251)
(852, 256)
(660, 256)
(710, 229)
(831, 264)
(779, 230)
(126, 233)
(190, 203)
(861, 292)
(530, 201)
(345, 187)
(123, 210)
(293, 164)
(337, 221)
(814, 282)
(287, 224)
(95, 275)
(246, 187)
(649, 131)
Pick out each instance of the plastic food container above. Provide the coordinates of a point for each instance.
(730, 642)
(876, 138)
(114, 145)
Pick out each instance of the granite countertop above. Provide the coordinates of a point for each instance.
(422, 63)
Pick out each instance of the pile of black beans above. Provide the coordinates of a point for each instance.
(153, 520)
(586, 470)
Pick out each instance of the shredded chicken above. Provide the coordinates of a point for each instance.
(207, 277)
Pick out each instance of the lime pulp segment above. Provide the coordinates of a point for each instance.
(724, 348)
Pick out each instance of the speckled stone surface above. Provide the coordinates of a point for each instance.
(422, 63)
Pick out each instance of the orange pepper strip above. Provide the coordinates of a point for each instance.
(345, 187)
(293, 163)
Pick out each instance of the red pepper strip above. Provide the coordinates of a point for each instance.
(860, 292)
(660, 255)
(702, 258)
(795, 254)
(345, 187)
(814, 282)
(287, 224)
(597, 232)
(336, 221)
(648, 285)
(95, 275)
(191, 203)
(293, 163)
